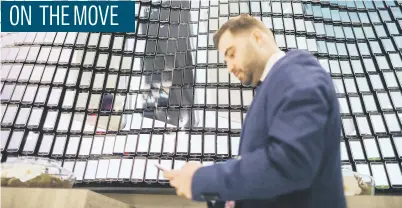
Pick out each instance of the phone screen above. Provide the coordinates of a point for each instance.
(119, 144)
(103, 166)
(15, 141)
(50, 120)
(234, 145)
(69, 165)
(97, 145)
(90, 171)
(85, 147)
(363, 168)
(72, 146)
(131, 144)
(46, 144)
(222, 145)
(371, 149)
(79, 169)
(35, 117)
(93, 40)
(22, 117)
(113, 170)
(125, 169)
(357, 150)
(138, 169)
(196, 144)
(59, 145)
(156, 144)
(379, 175)
(30, 142)
(394, 173)
(151, 172)
(165, 164)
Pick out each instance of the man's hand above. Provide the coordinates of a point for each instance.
(181, 179)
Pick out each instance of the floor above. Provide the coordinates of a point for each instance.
(156, 201)
(171, 201)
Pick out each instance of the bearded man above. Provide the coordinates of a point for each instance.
(289, 148)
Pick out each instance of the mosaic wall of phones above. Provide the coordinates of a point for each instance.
(110, 105)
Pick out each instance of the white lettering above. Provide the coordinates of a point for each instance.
(103, 18)
(23, 16)
(93, 21)
(27, 15)
(63, 14)
(43, 7)
(83, 16)
(91, 14)
(54, 15)
(112, 14)
(14, 7)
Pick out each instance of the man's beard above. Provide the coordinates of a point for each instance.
(248, 78)
(254, 67)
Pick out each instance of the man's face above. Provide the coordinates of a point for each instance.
(241, 56)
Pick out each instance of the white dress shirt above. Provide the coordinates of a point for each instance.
(270, 63)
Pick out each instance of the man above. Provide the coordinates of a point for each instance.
(290, 149)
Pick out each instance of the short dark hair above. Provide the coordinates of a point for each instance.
(238, 24)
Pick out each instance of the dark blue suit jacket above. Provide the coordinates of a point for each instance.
(290, 147)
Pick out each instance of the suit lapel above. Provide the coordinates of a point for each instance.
(267, 79)
(247, 118)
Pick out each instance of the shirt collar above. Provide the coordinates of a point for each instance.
(271, 62)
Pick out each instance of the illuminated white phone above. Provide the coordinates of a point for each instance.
(159, 166)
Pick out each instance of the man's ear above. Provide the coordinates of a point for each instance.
(257, 36)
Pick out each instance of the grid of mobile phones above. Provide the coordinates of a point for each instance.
(110, 105)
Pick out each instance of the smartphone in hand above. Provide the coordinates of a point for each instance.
(159, 166)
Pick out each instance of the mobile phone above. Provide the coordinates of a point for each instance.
(159, 166)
